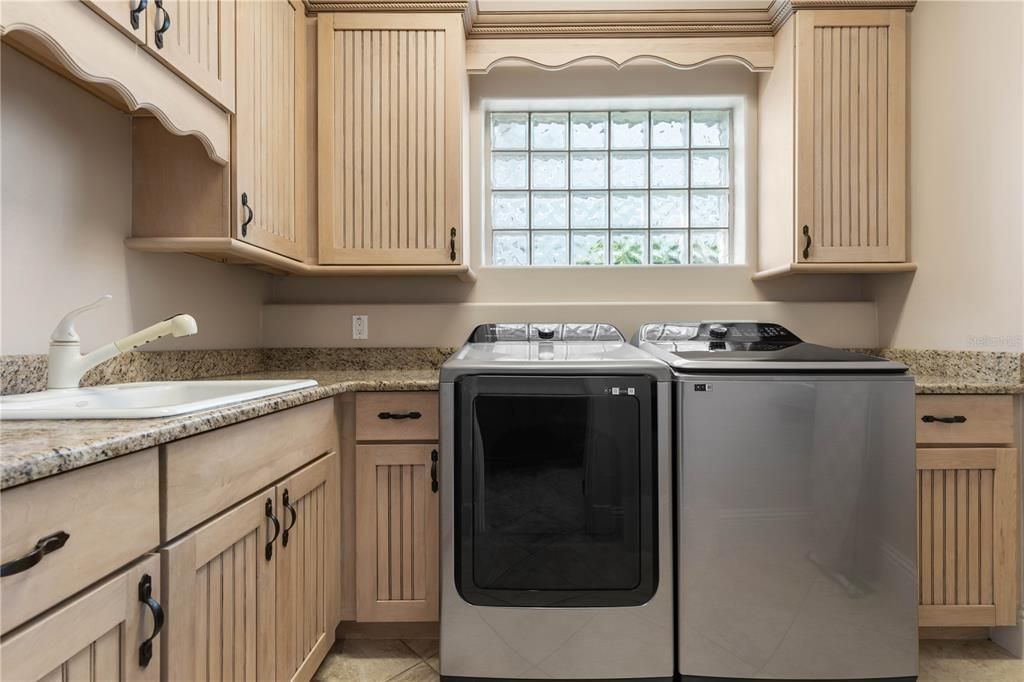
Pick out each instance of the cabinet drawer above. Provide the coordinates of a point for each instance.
(110, 513)
(95, 636)
(979, 419)
(206, 474)
(396, 416)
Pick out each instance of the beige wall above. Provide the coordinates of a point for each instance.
(66, 207)
(966, 182)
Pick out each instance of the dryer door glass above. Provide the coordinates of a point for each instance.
(556, 493)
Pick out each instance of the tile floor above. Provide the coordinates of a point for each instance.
(416, 660)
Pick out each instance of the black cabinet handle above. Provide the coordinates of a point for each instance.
(51, 543)
(807, 244)
(958, 419)
(252, 213)
(137, 10)
(451, 245)
(295, 517)
(269, 550)
(433, 471)
(159, 35)
(399, 415)
(146, 597)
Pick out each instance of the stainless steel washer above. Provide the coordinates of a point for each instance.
(796, 526)
(556, 511)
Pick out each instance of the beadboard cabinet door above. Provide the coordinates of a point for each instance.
(391, 98)
(309, 568)
(219, 586)
(94, 637)
(851, 136)
(269, 126)
(396, 533)
(127, 15)
(196, 39)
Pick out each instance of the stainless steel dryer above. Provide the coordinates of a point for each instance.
(556, 512)
(796, 506)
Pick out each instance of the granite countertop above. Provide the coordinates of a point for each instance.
(31, 450)
(34, 449)
(939, 384)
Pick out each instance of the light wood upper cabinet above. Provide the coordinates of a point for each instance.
(269, 127)
(94, 637)
(308, 568)
(127, 15)
(179, 196)
(196, 39)
(392, 92)
(832, 145)
(851, 136)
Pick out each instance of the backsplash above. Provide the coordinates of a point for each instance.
(27, 373)
(966, 365)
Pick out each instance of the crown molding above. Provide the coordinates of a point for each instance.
(725, 21)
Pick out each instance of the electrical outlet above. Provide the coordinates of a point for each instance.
(360, 326)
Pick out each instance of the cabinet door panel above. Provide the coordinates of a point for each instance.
(851, 144)
(397, 534)
(120, 13)
(93, 637)
(220, 586)
(967, 534)
(269, 125)
(309, 564)
(199, 44)
(390, 136)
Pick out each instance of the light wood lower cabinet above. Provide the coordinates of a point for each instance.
(308, 568)
(253, 594)
(968, 506)
(94, 637)
(397, 533)
(220, 586)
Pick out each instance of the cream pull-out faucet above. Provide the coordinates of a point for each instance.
(67, 364)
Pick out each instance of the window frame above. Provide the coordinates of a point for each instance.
(733, 239)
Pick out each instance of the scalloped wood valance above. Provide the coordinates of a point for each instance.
(753, 52)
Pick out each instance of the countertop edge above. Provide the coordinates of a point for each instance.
(31, 466)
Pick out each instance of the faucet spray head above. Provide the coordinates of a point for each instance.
(183, 325)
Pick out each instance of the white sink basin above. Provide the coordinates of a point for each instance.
(141, 400)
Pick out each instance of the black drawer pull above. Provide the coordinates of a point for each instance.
(807, 244)
(136, 11)
(958, 419)
(295, 517)
(433, 471)
(164, 27)
(146, 597)
(399, 415)
(268, 552)
(51, 543)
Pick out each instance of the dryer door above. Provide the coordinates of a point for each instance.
(555, 481)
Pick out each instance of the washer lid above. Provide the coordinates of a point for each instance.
(750, 347)
(550, 348)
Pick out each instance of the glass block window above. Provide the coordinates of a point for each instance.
(610, 187)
